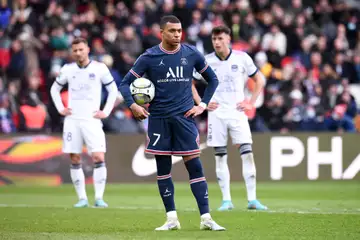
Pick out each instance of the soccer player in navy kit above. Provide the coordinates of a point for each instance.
(172, 129)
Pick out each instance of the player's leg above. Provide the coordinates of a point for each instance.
(241, 137)
(99, 176)
(72, 144)
(94, 137)
(159, 139)
(186, 144)
(167, 192)
(217, 138)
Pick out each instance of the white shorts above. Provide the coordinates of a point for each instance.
(76, 132)
(217, 135)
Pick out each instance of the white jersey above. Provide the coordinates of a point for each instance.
(84, 86)
(232, 74)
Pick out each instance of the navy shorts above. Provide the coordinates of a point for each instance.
(175, 135)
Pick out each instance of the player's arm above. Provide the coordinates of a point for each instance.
(196, 96)
(56, 87)
(210, 77)
(212, 105)
(110, 85)
(138, 70)
(259, 79)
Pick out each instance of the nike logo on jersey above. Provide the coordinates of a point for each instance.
(143, 166)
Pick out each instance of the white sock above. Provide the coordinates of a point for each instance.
(205, 216)
(249, 174)
(78, 179)
(99, 175)
(172, 214)
(223, 176)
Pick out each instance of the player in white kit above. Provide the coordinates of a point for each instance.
(226, 111)
(83, 117)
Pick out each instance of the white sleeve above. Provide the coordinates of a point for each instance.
(62, 78)
(251, 69)
(110, 101)
(56, 87)
(106, 77)
(197, 75)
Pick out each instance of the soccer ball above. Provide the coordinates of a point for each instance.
(142, 90)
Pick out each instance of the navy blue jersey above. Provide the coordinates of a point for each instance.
(171, 73)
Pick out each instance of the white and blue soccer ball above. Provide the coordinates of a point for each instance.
(142, 90)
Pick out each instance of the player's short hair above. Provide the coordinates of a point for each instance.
(79, 40)
(168, 19)
(221, 29)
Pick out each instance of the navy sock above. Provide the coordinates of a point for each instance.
(164, 181)
(198, 184)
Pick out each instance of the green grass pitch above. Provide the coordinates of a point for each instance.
(297, 210)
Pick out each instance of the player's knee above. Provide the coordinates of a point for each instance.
(188, 158)
(163, 164)
(220, 151)
(75, 158)
(194, 167)
(98, 157)
(245, 148)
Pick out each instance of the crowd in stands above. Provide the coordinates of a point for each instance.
(308, 50)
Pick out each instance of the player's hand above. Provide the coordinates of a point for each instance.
(212, 106)
(100, 115)
(244, 106)
(66, 112)
(139, 112)
(195, 111)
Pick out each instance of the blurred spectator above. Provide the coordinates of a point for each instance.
(16, 67)
(31, 46)
(309, 52)
(6, 122)
(5, 14)
(355, 78)
(153, 38)
(121, 121)
(273, 111)
(108, 60)
(296, 113)
(249, 27)
(97, 50)
(33, 116)
(129, 42)
(275, 39)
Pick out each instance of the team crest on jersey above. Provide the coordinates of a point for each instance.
(92, 76)
(234, 68)
(183, 61)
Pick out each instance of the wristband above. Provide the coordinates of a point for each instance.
(203, 105)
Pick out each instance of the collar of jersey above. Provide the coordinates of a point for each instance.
(169, 52)
(226, 57)
(83, 66)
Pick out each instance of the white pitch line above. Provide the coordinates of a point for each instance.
(283, 211)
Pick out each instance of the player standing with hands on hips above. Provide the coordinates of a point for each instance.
(83, 117)
(172, 129)
(227, 112)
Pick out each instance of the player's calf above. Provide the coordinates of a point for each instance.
(198, 182)
(200, 190)
(78, 179)
(99, 176)
(249, 175)
(223, 177)
(166, 190)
